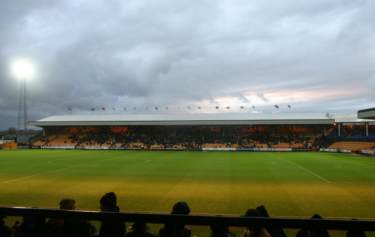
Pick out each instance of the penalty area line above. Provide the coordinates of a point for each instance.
(309, 171)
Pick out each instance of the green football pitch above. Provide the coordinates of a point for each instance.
(289, 184)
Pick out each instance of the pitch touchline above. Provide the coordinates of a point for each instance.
(21, 178)
(33, 175)
(51, 171)
(309, 171)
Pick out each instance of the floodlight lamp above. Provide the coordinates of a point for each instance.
(23, 69)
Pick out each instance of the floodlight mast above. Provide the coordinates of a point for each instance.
(24, 106)
(23, 70)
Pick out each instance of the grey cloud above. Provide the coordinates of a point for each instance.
(142, 53)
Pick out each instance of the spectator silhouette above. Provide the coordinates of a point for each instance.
(111, 227)
(274, 231)
(16, 226)
(255, 232)
(303, 233)
(31, 226)
(140, 229)
(355, 233)
(219, 230)
(55, 226)
(5, 231)
(177, 230)
(69, 226)
(313, 232)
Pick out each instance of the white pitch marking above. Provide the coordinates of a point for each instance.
(33, 175)
(51, 171)
(309, 171)
(21, 178)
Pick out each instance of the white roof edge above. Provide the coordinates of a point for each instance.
(351, 118)
(183, 119)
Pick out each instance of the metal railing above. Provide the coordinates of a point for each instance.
(200, 220)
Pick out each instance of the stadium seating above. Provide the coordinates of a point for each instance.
(136, 145)
(60, 140)
(38, 143)
(9, 145)
(297, 137)
(117, 145)
(261, 145)
(353, 146)
(157, 147)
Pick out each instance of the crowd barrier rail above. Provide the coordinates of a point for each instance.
(200, 220)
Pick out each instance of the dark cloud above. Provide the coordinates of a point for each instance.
(141, 53)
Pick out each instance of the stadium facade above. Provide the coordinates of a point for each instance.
(288, 131)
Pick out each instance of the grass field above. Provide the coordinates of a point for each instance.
(289, 184)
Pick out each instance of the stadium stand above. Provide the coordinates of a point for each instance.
(208, 138)
(8, 144)
(367, 113)
(206, 132)
(353, 146)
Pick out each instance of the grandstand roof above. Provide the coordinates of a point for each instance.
(183, 119)
(351, 119)
(367, 113)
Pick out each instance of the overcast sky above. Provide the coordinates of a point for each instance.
(314, 55)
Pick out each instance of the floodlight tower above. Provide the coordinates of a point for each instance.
(22, 70)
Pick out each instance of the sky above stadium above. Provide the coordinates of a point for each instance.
(316, 56)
